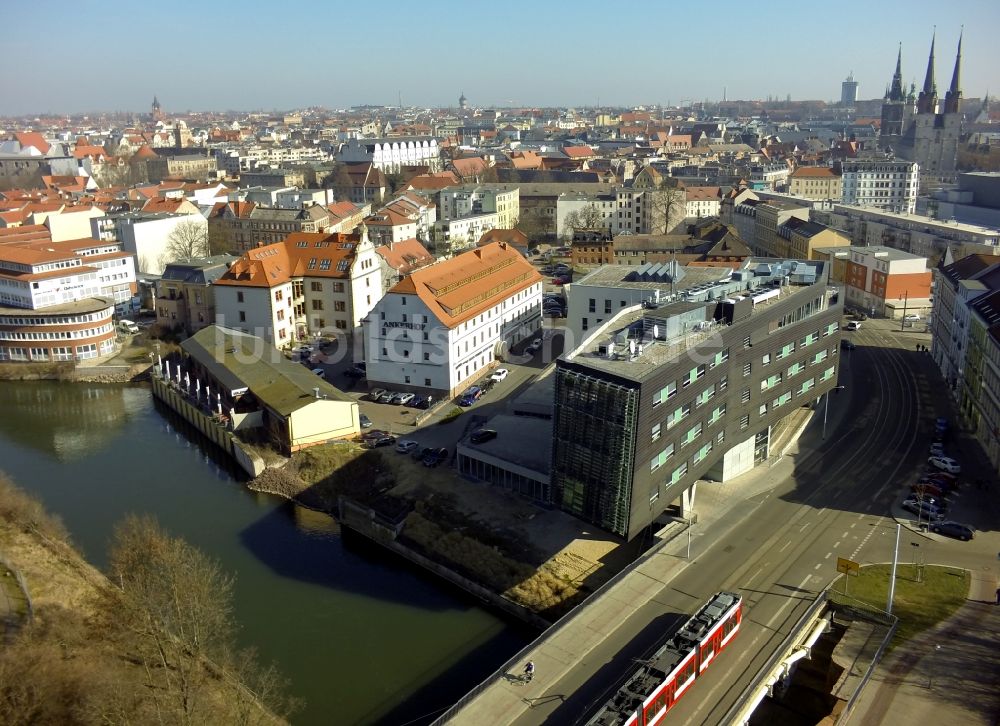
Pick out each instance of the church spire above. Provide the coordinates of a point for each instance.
(896, 90)
(954, 95)
(927, 101)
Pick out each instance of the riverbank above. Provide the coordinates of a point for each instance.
(82, 653)
(479, 538)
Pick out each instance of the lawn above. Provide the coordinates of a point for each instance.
(918, 605)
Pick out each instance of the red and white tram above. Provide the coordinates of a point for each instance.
(652, 690)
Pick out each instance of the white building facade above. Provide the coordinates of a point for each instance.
(889, 185)
(391, 154)
(443, 326)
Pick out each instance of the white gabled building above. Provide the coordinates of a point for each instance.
(312, 283)
(441, 327)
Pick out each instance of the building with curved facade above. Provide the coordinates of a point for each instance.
(58, 299)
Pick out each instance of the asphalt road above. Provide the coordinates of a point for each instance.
(834, 498)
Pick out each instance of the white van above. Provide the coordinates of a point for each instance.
(854, 325)
(128, 327)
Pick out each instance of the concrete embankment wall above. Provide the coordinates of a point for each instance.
(217, 433)
(366, 522)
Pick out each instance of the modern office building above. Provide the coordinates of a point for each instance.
(849, 91)
(664, 395)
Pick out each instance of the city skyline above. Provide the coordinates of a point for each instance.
(425, 57)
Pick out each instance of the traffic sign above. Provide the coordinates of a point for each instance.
(848, 567)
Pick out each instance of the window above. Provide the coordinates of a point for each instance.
(655, 436)
(340, 306)
(664, 393)
(678, 473)
(692, 433)
(592, 305)
(744, 421)
(746, 342)
(723, 383)
(585, 324)
(278, 295)
(280, 315)
(660, 459)
(607, 306)
(338, 287)
(795, 369)
(703, 452)
(745, 396)
(766, 359)
(316, 286)
(786, 351)
(762, 410)
(781, 400)
(317, 304)
(717, 414)
(746, 369)
(243, 316)
(807, 385)
(427, 382)
(239, 297)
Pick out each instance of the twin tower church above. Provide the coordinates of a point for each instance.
(921, 127)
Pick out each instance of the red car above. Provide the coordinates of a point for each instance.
(561, 279)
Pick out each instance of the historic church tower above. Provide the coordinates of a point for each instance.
(937, 127)
(157, 112)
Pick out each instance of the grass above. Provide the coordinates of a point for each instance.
(918, 605)
(454, 413)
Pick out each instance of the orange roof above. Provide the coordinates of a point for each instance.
(458, 289)
(388, 218)
(83, 150)
(406, 255)
(32, 138)
(469, 166)
(144, 152)
(702, 194)
(815, 172)
(300, 254)
(578, 152)
(434, 182)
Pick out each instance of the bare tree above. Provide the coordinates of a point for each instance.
(189, 239)
(588, 217)
(666, 206)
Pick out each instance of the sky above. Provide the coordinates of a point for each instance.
(74, 57)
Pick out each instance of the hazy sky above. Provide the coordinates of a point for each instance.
(67, 57)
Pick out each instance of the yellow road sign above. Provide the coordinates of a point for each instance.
(848, 567)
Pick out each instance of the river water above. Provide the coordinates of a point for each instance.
(363, 637)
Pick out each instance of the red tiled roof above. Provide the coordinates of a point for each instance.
(32, 138)
(300, 254)
(814, 172)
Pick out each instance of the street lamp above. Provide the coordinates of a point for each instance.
(826, 408)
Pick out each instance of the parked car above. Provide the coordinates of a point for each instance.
(937, 449)
(924, 511)
(403, 399)
(373, 434)
(954, 529)
(421, 453)
(319, 372)
(418, 402)
(375, 394)
(470, 396)
(386, 440)
(436, 457)
(945, 464)
(534, 345)
(405, 446)
(387, 396)
(366, 423)
(927, 489)
(480, 436)
(354, 373)
(853, 325)
(302, 351)
(561, 279)
(499, 374)
(911, 318)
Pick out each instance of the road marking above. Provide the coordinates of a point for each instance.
(759, 570)
(785, 546)
(818, 566)
(820, 511)
(827, 555)
(836, 544)
(804, 527)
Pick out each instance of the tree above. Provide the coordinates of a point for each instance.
(588, 217)
(170, 608)
(534, 224)
(666, 206)
(188, 239)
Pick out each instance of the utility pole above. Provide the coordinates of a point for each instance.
(892, 575)
(826, 408)
(906, 300)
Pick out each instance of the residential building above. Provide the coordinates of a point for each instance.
(392, 154)
(799, 238)
(387, 226)
(471, 200)
(514, 238)
(442, 326)
(268, 177)
(452, 236)
(399, 259)
(688, 389)
(58, 299)
(768, 217)
(309, 284)
(965, 344)
(185, 296)
(176, 163)
(702, 201)
(358, 182)
(575, 211)
(255, 387)
(881, 183)
(769, 177)
(592, 247)
(886, 282)
(816, 182)
(920, 235)
(245, 225)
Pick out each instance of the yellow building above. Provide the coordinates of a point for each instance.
(798, 239)
(816, 182)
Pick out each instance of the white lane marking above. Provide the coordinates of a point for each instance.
(820, 511)
(836, 544)
(852, 526)
(818, 566)
(828, 555)
(785, 546)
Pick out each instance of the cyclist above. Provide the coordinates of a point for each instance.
(529, 670)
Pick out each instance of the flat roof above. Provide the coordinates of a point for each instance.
(524, 441)
(614, 276)
(77, 307)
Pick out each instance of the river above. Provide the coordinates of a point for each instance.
(363, 637)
